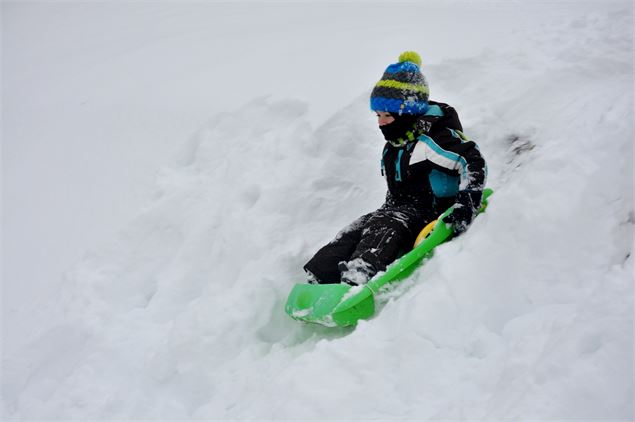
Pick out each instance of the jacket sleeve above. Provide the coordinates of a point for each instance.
(471, 164)
(473, 175)
(454, 152)
(450, 149)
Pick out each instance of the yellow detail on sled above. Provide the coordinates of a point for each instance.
(425, 232)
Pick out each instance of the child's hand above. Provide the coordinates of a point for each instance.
(463, 211)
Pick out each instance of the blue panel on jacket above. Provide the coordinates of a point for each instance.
(443, 185)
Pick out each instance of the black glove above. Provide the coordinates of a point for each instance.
(464, 209)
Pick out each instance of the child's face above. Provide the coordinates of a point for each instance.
(384, 118)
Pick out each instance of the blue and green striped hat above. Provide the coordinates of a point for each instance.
(402, 89)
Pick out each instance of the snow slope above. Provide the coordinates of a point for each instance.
(529, 315)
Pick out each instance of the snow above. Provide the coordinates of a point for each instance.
(168, 169)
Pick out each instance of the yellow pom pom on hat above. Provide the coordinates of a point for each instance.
(402, 89)
(410, 56)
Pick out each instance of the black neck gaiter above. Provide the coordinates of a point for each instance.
(395, 132)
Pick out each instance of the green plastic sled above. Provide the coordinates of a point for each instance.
(343, 305)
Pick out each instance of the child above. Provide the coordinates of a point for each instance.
(429, 165)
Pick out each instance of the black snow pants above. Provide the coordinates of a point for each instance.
(378, 238)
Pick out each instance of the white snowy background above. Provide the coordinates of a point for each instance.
(167, 169)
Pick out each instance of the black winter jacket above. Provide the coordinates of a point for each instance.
(437, 168)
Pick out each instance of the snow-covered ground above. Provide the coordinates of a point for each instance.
(254, 120)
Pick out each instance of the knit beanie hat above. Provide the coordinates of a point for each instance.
(402, 89)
